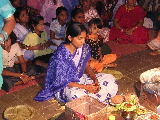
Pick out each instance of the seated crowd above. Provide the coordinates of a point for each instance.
(69, 46)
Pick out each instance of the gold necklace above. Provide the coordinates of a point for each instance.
(128, 9)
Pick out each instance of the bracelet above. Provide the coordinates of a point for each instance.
(33, 77)
(1, 40)
(122, 30)
(21, 75)
(27, 48)
(4, 34)
(136, 27)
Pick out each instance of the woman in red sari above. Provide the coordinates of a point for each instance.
(128, 25)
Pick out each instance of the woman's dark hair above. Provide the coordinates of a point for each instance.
(97, 22)
(100, 7)
(13, 38)
(75, 11)
(74, 29)
(18, 12)
(35, 20)
(60, 9)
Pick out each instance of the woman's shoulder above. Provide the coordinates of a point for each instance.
(20, 28)
(92, 9)
(6, 9)
(62, 53)
(122, 7)
(17, 25)
(86, 46)
(31, 33)
(61, 48)
(4, 2)
(138, 7)
(44, 32)
(139, 10)
(55, 21)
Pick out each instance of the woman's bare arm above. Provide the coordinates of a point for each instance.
(23, 63)
(116, 24)
(9, 24)
(91, 74)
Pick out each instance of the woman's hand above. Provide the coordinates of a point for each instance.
(101, 59)
(92, 88)
(128, 31)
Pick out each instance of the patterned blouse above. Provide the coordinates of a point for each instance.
(9, 58)
(95, 45)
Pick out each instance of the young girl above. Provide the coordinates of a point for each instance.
(14, 74)
(21, 29)
(37, 41)
(65, 78)
(98, 61)
(48, 11)
(58, 26)
(77, 15)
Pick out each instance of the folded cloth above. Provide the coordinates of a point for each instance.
(107, 59)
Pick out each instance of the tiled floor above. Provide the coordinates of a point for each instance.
(131, 66)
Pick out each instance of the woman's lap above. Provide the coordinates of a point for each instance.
(107, 82)
(139, 36)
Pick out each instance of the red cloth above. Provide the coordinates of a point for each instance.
(128, 20)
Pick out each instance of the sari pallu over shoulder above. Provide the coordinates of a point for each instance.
(61, 72)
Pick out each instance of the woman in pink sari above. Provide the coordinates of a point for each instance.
(36, 4)
(128, 25)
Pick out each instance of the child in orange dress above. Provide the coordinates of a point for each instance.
(98, 61)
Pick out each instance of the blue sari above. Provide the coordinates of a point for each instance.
(6, 11)
(61, 71)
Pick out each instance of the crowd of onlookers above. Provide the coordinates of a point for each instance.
(41, 25)
(60, 39)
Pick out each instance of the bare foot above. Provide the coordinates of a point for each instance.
(118, 39)
(111, 65)
(155, 53)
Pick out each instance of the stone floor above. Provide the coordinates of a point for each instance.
(131, 66)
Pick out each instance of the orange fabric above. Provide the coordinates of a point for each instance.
(107, 59)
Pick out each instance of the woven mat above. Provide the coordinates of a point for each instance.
(19, 112)
(118, 75)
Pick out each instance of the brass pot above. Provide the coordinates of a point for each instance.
(128, 115)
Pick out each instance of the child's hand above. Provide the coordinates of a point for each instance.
(101, 59)
(37, 47)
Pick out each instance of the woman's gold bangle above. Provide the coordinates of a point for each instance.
(136, 27)
(21, 75)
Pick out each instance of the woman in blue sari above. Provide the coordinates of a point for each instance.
(65, 78)
(7, 23)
